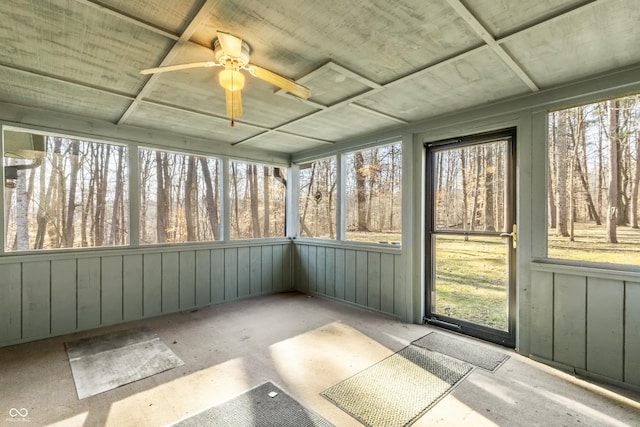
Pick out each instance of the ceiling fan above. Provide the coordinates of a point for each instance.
(232, 53)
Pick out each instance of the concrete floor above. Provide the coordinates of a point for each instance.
(304, 345)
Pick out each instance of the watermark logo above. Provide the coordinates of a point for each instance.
(18, 415)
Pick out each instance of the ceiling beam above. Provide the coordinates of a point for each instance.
(130, 19)
(58, 79)
(277, 131)
(481, 31)
(170, 56)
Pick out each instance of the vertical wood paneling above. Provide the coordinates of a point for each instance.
(302, 282)
(399, 288)
(170, 282)
(244, 272)
(542, 314)
(605, 332)
(89, 306)
(187, 280)
(350, 275)
(203, 278)
(298, 270)
(48, 298)
(387, 270)
(10, 307)
(278, 270)
(373, 280)
(63, 296)
(340, 274)
(152, 284)
(132, 287)
(217, 275)
(570, 320)
(230, 273)
(321, 270)
(111, 288)
(632, 333)
(330, 276)
(287, 261)
(361, 277)
(313, 269)
(255, 270)
(267, 269)
(36, 288)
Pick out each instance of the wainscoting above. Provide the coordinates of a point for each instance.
(45, 295)
(587, 320)
(365, 275)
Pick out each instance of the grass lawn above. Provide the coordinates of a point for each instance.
(470, 275)
(470, 279)
(591, 245)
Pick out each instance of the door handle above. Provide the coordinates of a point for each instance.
(513, 234)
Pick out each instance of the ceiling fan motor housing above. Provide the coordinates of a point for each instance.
(223, 58)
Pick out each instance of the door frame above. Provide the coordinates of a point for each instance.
(505, 338)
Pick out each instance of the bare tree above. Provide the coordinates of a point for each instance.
(489, 214)
(266, 187)
(613, 173)
(562, 157)
(636, 183)
(252, 176)
(189, 199)
(361, 191)
(211, 199)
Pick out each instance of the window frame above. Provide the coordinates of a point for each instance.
(341, 216)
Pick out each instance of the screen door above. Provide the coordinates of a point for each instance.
(472, 236)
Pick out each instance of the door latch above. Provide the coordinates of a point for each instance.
(513, 235)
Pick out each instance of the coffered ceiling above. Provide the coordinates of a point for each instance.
(370, 65)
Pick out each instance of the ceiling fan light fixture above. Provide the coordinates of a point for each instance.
(230, 79)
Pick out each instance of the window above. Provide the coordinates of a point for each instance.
(179, 197)
(593, 177)
(63, 192)
(374, 194)
(318, 198)
(258, 200)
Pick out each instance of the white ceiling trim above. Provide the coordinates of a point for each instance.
(480, 30)
(278, 131)
(378, 113)
(562, 14)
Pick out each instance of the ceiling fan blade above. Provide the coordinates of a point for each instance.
(178, 67)
(231, 45)
(234, 103)
(282, 82)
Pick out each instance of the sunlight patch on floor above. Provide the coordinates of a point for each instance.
(181, 397)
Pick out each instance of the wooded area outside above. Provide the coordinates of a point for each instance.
(179, 197)
(374, 194)
(318, 198)
(258, 200)
(63, 193)
(593, 178)
(68, 193)
(470, 187)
